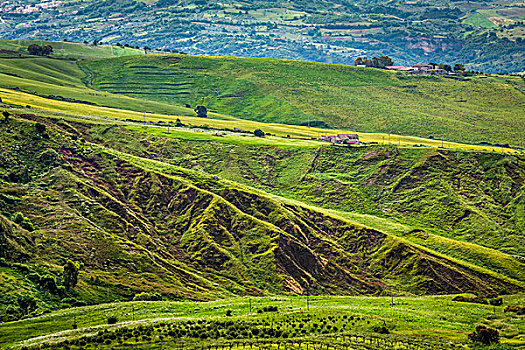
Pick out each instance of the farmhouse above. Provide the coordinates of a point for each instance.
(419, 69)
(348, 139)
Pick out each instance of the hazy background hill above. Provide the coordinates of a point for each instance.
(485, 35)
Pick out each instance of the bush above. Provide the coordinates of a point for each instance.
(228, 313)
(40, 128)
(259, 133)
(147, 297)
(467, 299)
(496, 301)
(381, 329)
(484, 335)
(112, 319)
(24, 222)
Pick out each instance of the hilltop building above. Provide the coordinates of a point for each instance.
(419, 69)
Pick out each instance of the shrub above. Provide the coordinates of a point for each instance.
(259, 133)
(24, 222)
(380, 328)
(112, 319)
(40, 128)
(484, 335)
(467, 299)
(5, 114)
(496, 301)
(147, 297)
(228, 313)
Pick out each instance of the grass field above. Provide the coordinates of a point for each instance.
(437, 320)
(72, 50)
(362, 99)
(479, 20)
(64, 79)
(219, 121)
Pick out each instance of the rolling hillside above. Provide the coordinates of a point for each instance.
(106, 210)
(291, 92)
(359, 99)
(187, 235)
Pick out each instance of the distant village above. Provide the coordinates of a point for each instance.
(18, 7)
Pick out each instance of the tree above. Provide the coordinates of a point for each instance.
(259, 133)
(202, 111)
(458, 67)
(34, 49)
(446, 67)
(484, 335)
(6, 115)
(384, 61)
(37, 50)
(47, 50)
(71, 274)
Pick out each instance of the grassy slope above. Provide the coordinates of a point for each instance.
(363, 99)
(71, 50)
(219, 121)
(462, 195)
(203, 238)
(438, 318)
(63, 78)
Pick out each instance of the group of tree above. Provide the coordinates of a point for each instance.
(40, 50)
(375, 62)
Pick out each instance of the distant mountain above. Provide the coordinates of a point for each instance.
(484, 35)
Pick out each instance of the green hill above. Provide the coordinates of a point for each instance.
(291, 92)
(68, 50)
(186, 235)
(166, 205)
